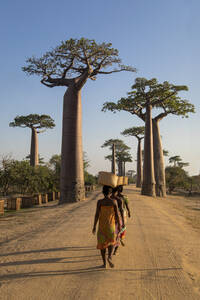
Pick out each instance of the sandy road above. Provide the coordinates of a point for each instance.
(50, 253)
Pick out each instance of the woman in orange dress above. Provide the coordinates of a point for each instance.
(107, 214)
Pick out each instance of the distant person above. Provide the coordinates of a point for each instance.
(108, 215)
(118, 229)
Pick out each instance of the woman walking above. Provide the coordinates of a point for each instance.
(118, 230)
(125, 207)
(108, 215)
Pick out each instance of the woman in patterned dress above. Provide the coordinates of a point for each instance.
(107, 214)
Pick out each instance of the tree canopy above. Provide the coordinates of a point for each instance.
(119, 145)
(33, 121)
(177, 161)
(138, 132)
(163, 96)
(73, 58)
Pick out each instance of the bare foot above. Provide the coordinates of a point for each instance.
(122, 243)
(110, 262)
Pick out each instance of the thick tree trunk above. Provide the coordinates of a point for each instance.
(72, 176)
(120, 168)
(124, 168)
(159, 167)
(148, 184)
(113, 166)
(139, 164)
(34, 148)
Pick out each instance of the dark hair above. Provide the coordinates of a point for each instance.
(106, 190)
(120, 188)
(114, 190)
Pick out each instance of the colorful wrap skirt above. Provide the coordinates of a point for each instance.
(106, 232)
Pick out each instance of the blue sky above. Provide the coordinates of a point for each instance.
(160, 38)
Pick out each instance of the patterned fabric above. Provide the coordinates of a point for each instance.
(106, 231)
(125, 201)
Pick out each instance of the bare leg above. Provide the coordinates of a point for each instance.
(103, 255)
(110, 249)
(115, 251)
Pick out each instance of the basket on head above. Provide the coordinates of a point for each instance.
(107, 178)
(125, 180)
(120, 180)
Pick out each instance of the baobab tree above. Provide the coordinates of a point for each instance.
(137, 132)
(37, 124)
(145, 95)
(121, 154)
(71, 64)
(112, 144)
(177, 161)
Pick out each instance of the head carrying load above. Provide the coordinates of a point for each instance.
(125, 180)
(107, 178)
(120, 180)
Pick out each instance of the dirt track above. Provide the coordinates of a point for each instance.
(50, 253)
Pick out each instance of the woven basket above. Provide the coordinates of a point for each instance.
(125, 179)
(120, 180)
(107, 178)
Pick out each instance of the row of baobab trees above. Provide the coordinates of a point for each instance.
(71, 64)
(163, 98)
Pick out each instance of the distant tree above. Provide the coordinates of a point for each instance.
(37, 124)
(121, 152)
(176, 177)
(21, 178)
(55, 165)
(165, 152)
(145, 95)
(137, 132)
(84, 59)
(175, 159)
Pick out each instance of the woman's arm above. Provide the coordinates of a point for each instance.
(96, 218)
(117, 215)
(120, 206)
(127, 207)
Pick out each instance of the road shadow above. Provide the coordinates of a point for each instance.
(146, 273)
(69, 248)
(74, 260)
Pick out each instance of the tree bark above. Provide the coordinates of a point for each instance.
(72, 176)
(120, 168)
(124, 168)
(148, 185)
(139, 164)
(113, 166)
(159, 167)
(34, 148)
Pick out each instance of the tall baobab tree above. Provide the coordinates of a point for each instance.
(37, 124)
(145, 95)
(71, 64)
(121, 154)
(137, 132)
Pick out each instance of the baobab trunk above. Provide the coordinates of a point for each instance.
(34, 148)
(72, 176)
(139, 164)
(148, 185)
(159, 167)
(124, 168)
(120, 168)
(113, 167)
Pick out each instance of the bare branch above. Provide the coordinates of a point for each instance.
(68, 68)
(46, 84)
